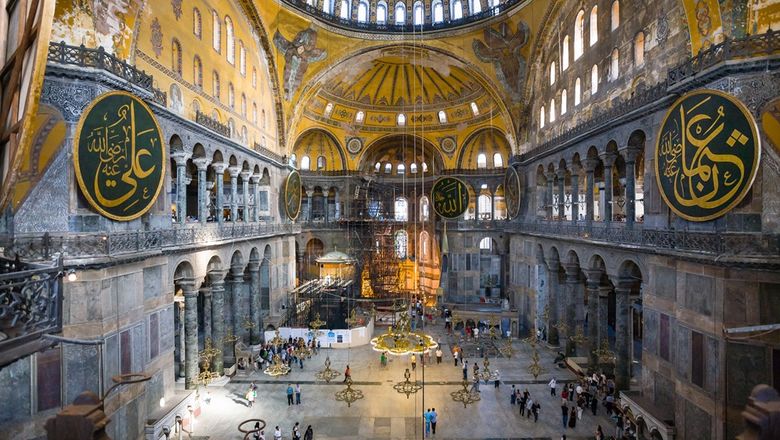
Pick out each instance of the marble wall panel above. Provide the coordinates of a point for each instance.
(699, 293)
(152, 282)
(15, 381)
(665, 282)
(697, 423)
(82, 370)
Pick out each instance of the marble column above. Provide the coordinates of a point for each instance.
(590, 167)
(549, 199)
(181, 185)
(239, 308)
(603, 312)
(631, 155)
(207, 324)
(574, 303)
(182, 360)
(561, 174)
(245, 175)
(255, 179)
(623, 337)
(310, 205)
(234, 171)
(255, 304)
(592, 285)
(609, 161)
(575, 193)
(217, 280)
(202, 164)
(554, 300)
(190, 293)
(219, 180)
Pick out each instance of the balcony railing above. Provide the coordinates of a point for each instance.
(30, 307)
(100, 245)
(212, 124)
(270, 154)
(367, 26)
(83, 56)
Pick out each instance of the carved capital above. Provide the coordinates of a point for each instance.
(590, 165)
(609, 158)
(632, 153)
(202, 163)
(217, 276)
(234, 171)
(245, 175)
(181, 157)
(219, 167)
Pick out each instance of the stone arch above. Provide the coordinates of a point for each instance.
(314, 249)
(487, 140)
(315, 143)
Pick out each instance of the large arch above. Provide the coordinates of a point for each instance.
(316, 143)
(401, 149)
(488, 141)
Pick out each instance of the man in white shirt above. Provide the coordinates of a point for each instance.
(277, 433)
(552, 385)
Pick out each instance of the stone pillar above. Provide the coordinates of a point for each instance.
(190, 292)
(561, 174)
(549, 202)
(631, 155)
(181, 185)
(590, 166)
(219, 182)
(207, 324)
(255, 179)
(609, 160)
(575, 315)
(255, 304)
(554, 300)
(182, 360)
(234, 171)
(310, 205)
(202, 163)
(593, 288)
(217, 281)
(238, 307)
(575, 193)
(603, 313)
(245, 191)
(623, 337)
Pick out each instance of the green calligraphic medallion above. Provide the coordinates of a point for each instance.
(707, 155)
(293, 193)
(119, 156)
(512, 191)
(450, 197)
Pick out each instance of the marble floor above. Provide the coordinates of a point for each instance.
(383, 413)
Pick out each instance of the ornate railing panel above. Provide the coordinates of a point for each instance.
(83, 56)
(30, 306)
(212, 124)
(270, 154)
(97, 245)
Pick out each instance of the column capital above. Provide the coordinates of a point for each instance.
(572, 272)
(575, 169)
(205, 290)
(245, 175)
(202, 163)
(608, 158)
(632, 153)
(552, 265)
(253, 265)
(625, 285)
(550, 175)
(561, 173)
(590, 165)
(255, 178)
(219, 167)
(181, 157)
(236, 272)
(593, 278)
(234, 171)
(187, 286)
(217, 276)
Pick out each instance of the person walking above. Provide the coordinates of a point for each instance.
(434, 420)
(599, 434)
(594, 404)
(513, 396)
(455, 355)
(297, 394)
(383, 359)
(427, 419)
(529, 406)
(309, 434)
(496, 379)
(250, 396)
(564, 414)
(523, 401)
(414, 362)
(619, 427)
(289, 394)
(465, 369)
(438, 355)
(535, 410)
(347, 373)
(258, 432)
(475, 384)
(572, 418)
(277, 433)
(296, 433)
(553, 383)
(571, 392)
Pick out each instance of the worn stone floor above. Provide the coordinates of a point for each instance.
(383, 413)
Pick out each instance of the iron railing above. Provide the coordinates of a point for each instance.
(113, 244)
(212, 124)
(389, 27)
(30, 307)
(767, 43)
(83, 56)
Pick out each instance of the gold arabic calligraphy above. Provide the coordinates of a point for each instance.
(448, 198)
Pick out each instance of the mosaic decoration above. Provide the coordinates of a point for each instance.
(450, 197)
(119, 156)
(770, 121)
(293, 193)
(176, 5)
(512, 192)
(448, 145)
(354, 145)
(156, 37)
(502, 48)
(707, 155)
(298, 53)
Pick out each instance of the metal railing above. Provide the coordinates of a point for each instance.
(212, 124)
(83, 56)
(368, 26)
(97, 245)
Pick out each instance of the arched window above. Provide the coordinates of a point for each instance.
(552, 110)
(254, 113)
(542, 115)
(481, 160)
(486, 244)
(594, 25)
(254, 78)
(457, 10)
(400, 13)
(244, 134)
(424, 167)
(215, 84)
(484, 206)
(362, 12)
(577, 92)
(328, 109)
(498, 160)
(231, 127)
(293, 160)
(413, 168)
(305, 163)
(241, 58)
(381, 13)
(216, 36)
(321, 163)
(565, 54)
(400, 169)
(639, 49)
(401, 239)
(176, 102)
(418, 14)
(442, 117)
(243, 105)
(197, 26)
(614, 66)
(474, 109)
(377, 166)
(231, 96)
(564, 102)
(438, 12)
(579, 29)
(476, 6)
(230, 41)
(425, 208)
(401, 120)
(359, 116)
(388, 168)
(401, 212)
(615, 14)
(594, 79)
(552, 73)
(423, 245)
(345, 10)
(176, 56)
(197, 72)
(265, 121)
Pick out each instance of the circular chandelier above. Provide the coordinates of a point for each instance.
(400, 340)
